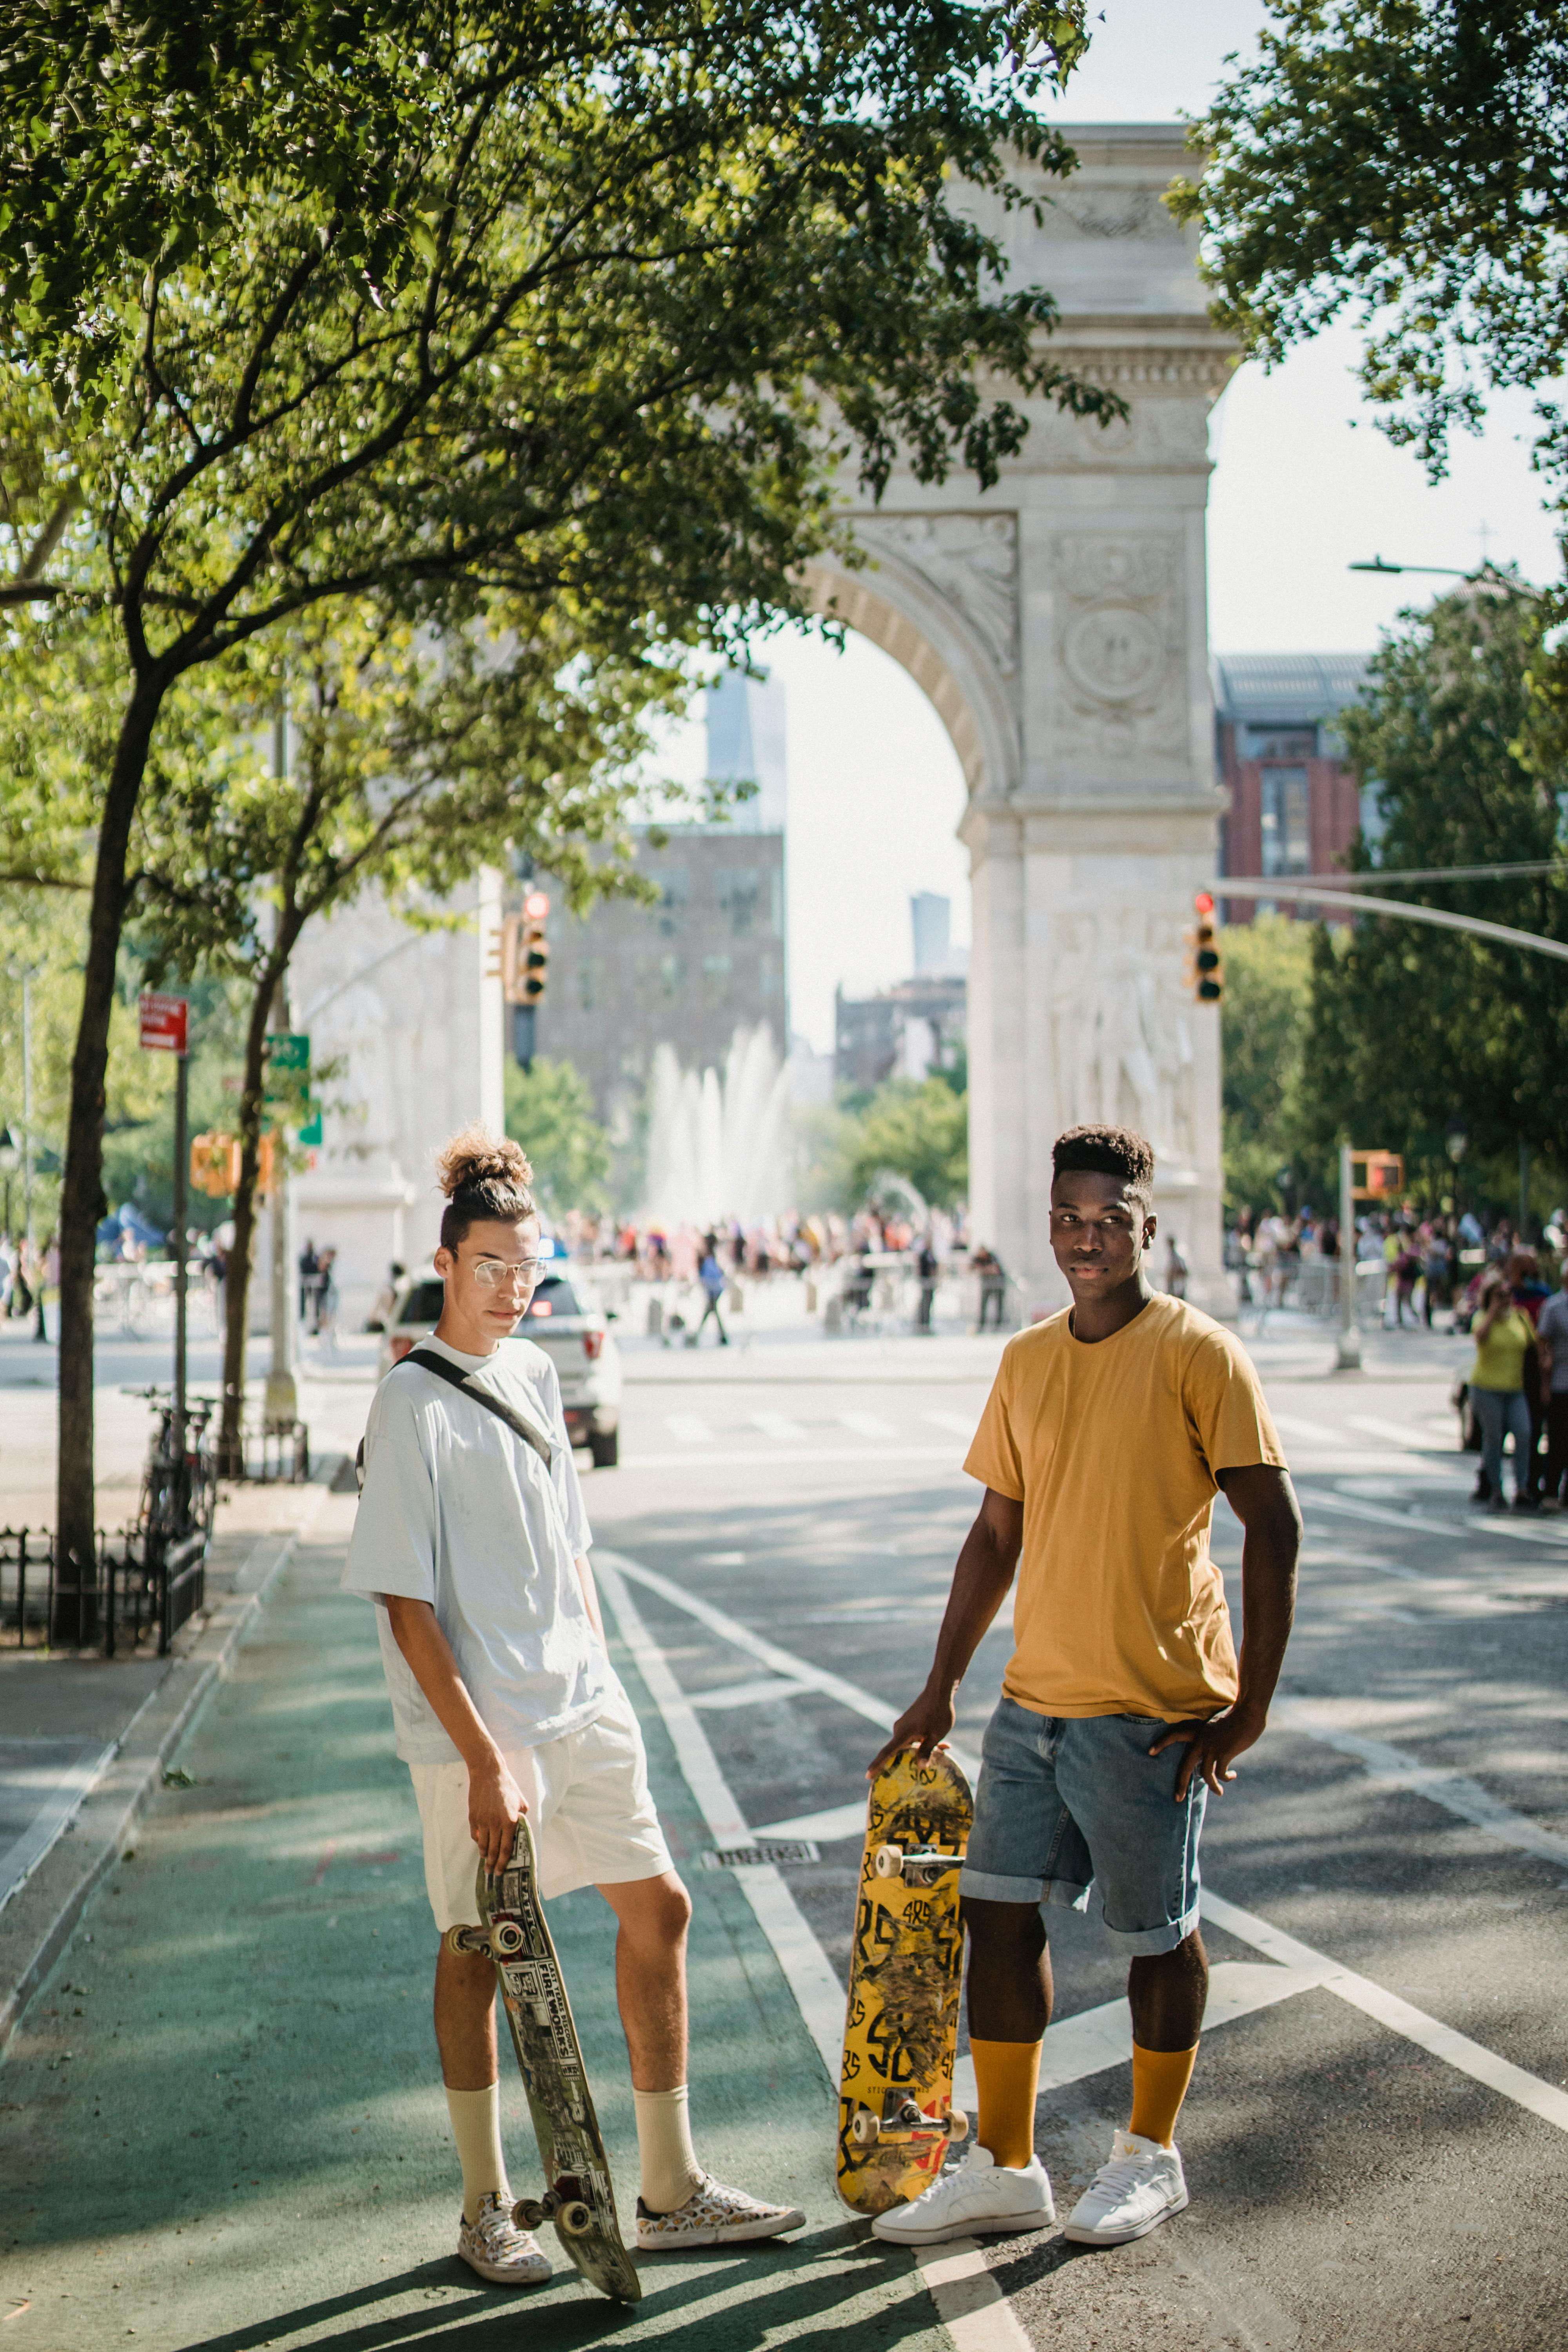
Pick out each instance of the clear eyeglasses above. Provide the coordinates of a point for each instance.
(490, 1273)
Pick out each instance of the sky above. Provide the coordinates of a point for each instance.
(1304, 485)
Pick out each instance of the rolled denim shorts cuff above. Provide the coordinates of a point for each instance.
(986, 1886)
(1146, 1942)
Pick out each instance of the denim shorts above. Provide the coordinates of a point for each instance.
(1070, 1802)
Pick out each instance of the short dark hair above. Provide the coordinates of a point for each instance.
(1107, 1151)
(484, 1177)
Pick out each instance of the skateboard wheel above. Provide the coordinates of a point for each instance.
(507, 1936)
(864, 2128)
(574, 2218)
(888, 1861)
(958, 2125)
(528, 2213)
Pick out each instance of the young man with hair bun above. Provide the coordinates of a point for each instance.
(473, 1543)
(1111, 1428)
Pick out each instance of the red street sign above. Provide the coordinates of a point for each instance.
(165, 1021)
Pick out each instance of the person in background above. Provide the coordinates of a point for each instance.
(1503, 1335)
(711, 1275)
(1175, 1269)
(1552, 1341)
(1530, 1295)
(926, 1269)
(992, 1287)
(386, 1305)
(1437, 1268)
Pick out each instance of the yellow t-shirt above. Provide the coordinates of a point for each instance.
(1113, 1448)
(1499, 1357)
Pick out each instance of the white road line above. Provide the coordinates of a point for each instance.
(689, 1427)
(969, 2300)
(1454, 2049)
(1096, 2040)
(779, 1426)
(817, 1991)
(867, 1424)
(752, 1693)
(1417, 1522)
(837, 1821)
(1316, 1432)
(957, 1424)
(1397, 1432)
(1395, 1768)
(815, 1455)
(783, 1662)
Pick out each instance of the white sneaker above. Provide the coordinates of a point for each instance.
(1141, 2186)
(493, 2244)
(976, 2199)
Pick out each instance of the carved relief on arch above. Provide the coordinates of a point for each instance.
(1120, 644)
(972, 560)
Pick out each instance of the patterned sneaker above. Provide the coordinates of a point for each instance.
(493, 2245)
(1143, 2185)
(713, 2216)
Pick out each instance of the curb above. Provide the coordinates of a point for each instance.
(41, 1915)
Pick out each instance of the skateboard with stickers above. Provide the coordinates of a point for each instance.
(896, 2115)
(578, 2197)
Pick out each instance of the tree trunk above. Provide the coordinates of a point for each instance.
(82, 1203)
(236, 1287)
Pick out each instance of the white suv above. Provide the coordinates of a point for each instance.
(574, 1334)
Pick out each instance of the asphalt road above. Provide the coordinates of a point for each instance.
(1375, 2136)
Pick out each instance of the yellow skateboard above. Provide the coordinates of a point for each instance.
(896, 2117)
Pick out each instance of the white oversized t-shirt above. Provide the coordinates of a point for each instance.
(459, 1511)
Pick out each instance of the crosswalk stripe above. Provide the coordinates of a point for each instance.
(689, 1427)
(779, 1425)
(867, 1424)
(958, 1423)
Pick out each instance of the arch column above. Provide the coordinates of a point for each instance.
(1059, 624)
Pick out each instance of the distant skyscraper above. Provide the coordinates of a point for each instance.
(930, 918)
(746, 745)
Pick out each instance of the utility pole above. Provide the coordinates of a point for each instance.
(1348, 1359)
(27, 1107)
(281, 1410)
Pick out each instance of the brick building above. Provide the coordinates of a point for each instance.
(1295, 804)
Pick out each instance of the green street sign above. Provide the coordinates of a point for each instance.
(286, 1051)
(311, 1135)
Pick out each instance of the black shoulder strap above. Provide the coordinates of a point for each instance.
(445, 1370)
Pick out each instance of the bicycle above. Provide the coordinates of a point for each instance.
(179, 1493)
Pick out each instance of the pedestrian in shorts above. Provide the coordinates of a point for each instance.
(1110, 1431)
(475, 1551)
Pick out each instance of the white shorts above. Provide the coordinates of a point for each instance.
(589, 1808)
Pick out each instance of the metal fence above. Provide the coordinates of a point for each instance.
(144, 1587)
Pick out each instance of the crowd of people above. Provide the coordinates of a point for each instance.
(1431, 1265)
(29, 1271)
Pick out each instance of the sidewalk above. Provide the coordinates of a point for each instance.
(226, 2127)
(86, 1738)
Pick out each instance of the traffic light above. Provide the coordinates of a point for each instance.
(1205, 974)
(535, 957)
(268, 1162)
(214, 1164)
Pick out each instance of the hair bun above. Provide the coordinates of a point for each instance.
(477, 1157)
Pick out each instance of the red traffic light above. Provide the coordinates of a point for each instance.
(536, 906)
(1203, 902)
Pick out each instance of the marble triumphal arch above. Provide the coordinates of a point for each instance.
(1059, 624)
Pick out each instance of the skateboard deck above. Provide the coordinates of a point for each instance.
(578, 2198)
(896, 2117)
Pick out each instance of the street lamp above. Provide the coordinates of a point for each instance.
(10, 1160)
(1452, 572)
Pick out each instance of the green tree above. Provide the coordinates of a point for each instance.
(1263, 1032)
(550, 1111)
(916, 1129)
(425, 303)
(1413, 1028)
(1399, 160)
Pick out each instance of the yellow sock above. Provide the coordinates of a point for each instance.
(476, 2135)
(1006, 2076)
(1160, 2079)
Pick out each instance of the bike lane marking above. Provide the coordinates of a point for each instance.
(1401, 2017)
(969, 2300)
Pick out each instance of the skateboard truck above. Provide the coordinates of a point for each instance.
(564, 2205)
(902, 2119)
(916, 1865)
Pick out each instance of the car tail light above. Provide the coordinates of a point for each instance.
(541, 1308)
(400, 1347)
(593, 1344)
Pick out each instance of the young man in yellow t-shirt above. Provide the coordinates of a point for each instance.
(1109, 1430)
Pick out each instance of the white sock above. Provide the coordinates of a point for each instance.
(476, 2135)
(670, 2172)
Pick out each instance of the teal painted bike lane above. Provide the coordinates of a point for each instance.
(221, 2122)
